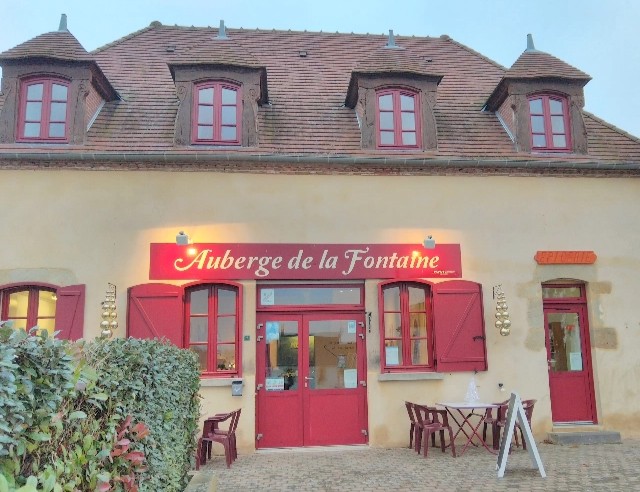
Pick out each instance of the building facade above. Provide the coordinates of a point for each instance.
(329, 220)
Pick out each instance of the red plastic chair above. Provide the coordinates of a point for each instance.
(225, 437)
(429, 421)
(442, 418)
(203, 448)
(496, 421)
(500, 421)
(212, 432)
(412, 422)
(527, 405)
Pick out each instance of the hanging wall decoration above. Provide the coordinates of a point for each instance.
(109, 324)
(503, 323)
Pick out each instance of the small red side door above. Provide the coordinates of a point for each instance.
(569, 364)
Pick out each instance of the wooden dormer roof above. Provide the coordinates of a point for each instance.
(59, 46)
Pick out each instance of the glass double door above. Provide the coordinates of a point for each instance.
(310, 376)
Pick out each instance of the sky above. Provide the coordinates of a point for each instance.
(599, 37)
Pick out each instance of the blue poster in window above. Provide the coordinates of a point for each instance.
(273, 331)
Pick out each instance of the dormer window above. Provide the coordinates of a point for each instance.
(217, 113)
(398, 124)
(43, 110)
(549, 119)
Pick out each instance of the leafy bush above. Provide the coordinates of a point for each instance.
(111, 415)
(161, 390)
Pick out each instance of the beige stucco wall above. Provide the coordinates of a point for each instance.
(95, 227)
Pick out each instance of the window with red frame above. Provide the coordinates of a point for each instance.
(549, 123)
(406, 313)
(212, 327)
(26, 307)
(398, 123)
(44, 110)
(51, 308)
(217, 113)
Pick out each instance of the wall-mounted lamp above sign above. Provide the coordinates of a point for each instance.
(183, 239)
(429, 242)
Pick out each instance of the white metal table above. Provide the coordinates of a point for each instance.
(464, 415)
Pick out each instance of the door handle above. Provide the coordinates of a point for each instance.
(309, 377)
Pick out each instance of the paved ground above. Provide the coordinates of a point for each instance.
(599, 467)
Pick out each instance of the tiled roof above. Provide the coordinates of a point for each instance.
(538, 64)
(59, 45)
(306, 115)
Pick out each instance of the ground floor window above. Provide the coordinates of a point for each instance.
(27, 307)
(48, 307)
(431, 326)
(203, 317)
(213, 331)
(406, 316)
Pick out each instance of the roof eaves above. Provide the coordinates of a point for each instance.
(551, 77)
(402, 71)
(532, 165)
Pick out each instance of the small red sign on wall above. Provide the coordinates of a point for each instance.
(565, 257)
(214, 261)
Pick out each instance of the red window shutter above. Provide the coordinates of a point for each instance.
(459, 326)
(70, 311)
(156, 311)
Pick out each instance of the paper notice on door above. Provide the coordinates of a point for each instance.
(273, 331)
(391, 356)
(575, 361)
(274, 384)
(350, 378)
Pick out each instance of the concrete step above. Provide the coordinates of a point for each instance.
(583, 434)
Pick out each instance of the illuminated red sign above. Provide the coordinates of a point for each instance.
(215, 261)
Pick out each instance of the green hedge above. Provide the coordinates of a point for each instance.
(110, 415)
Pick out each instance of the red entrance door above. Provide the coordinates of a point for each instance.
(311, 373)
(569, 361)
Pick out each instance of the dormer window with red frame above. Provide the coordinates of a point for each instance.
(217, 114)
(44, 110)
(549, 123)
(398, 121)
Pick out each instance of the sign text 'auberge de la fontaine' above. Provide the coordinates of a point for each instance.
(215, 261)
